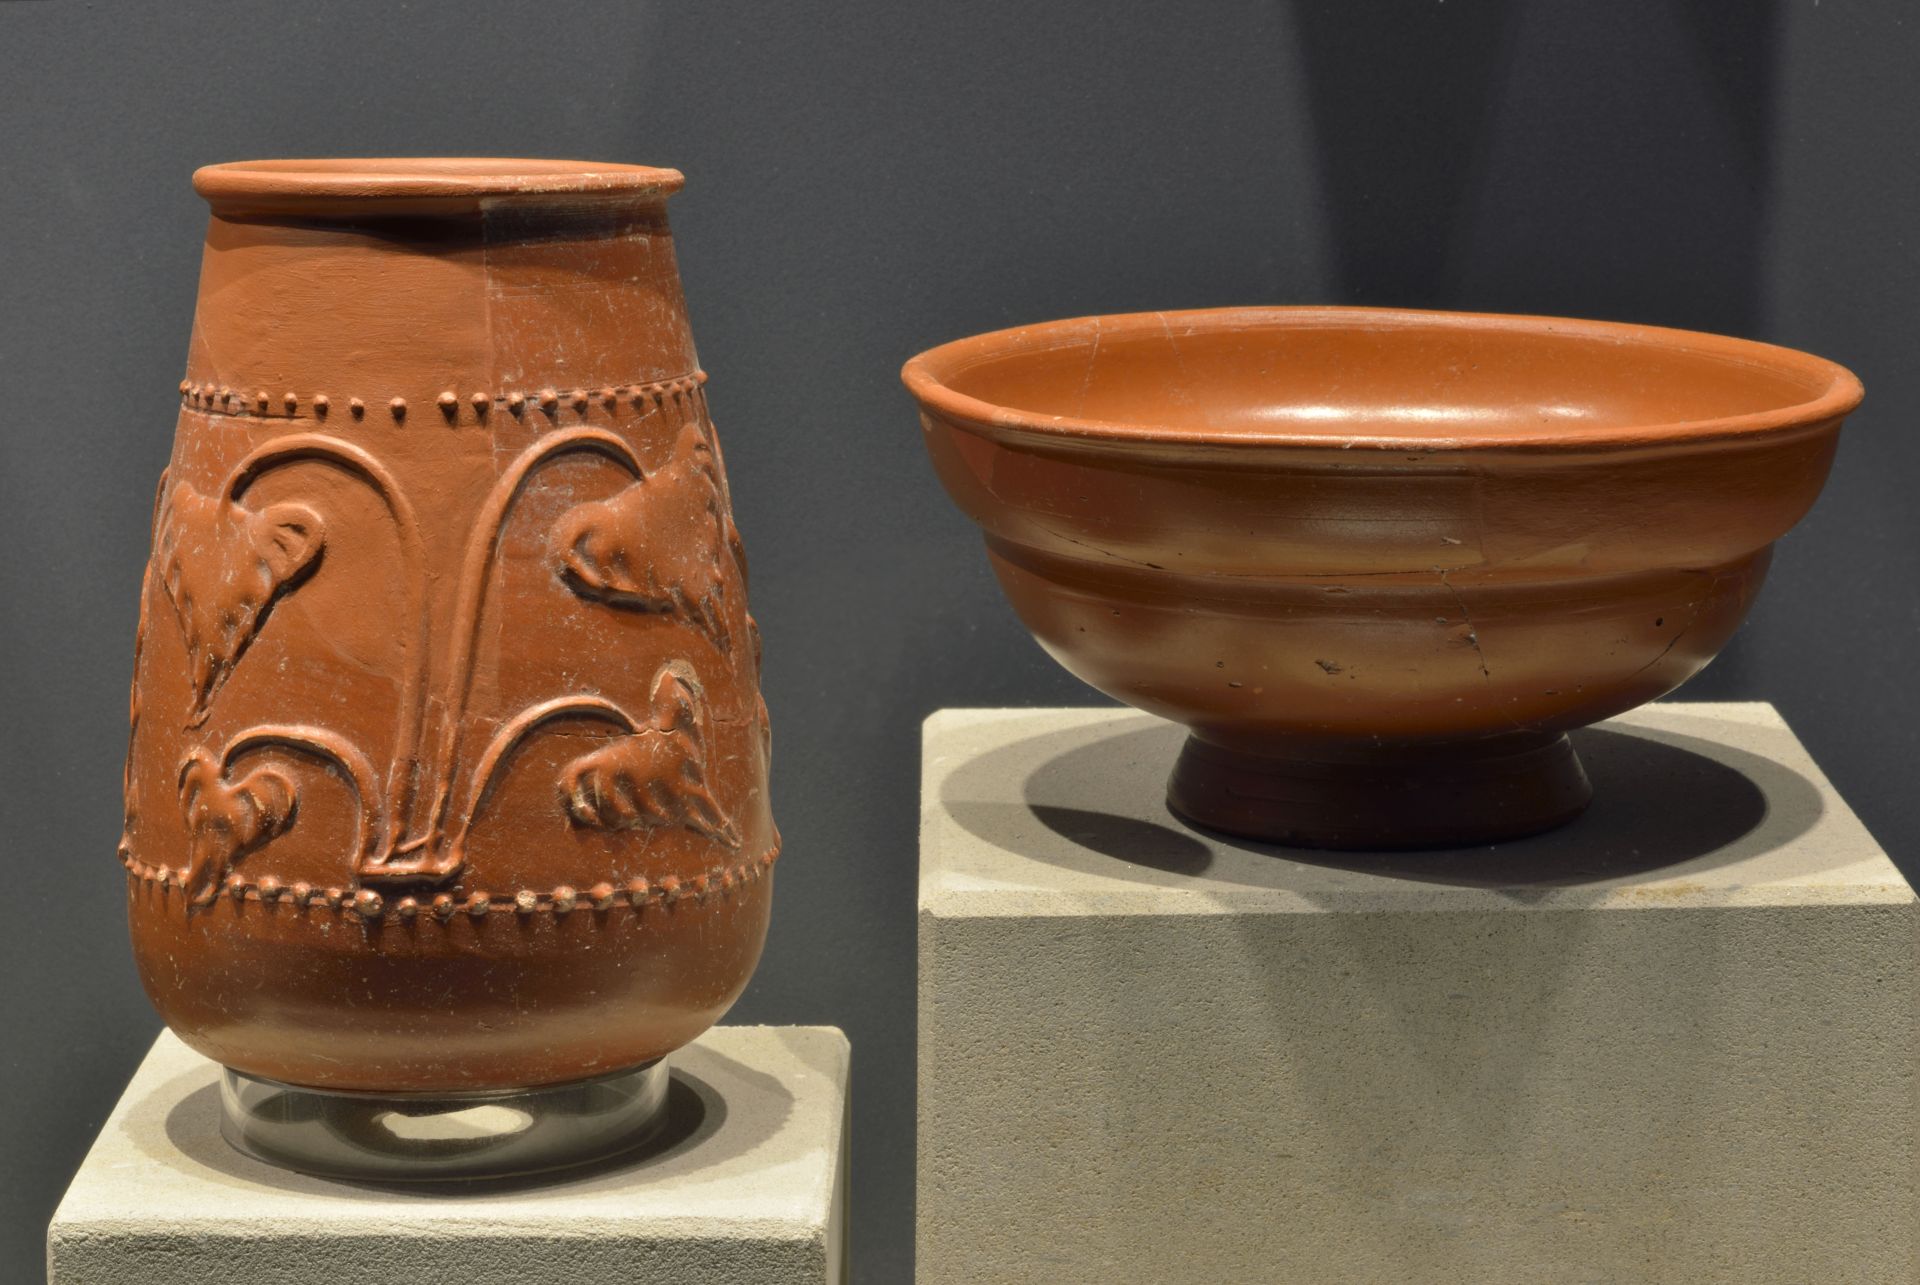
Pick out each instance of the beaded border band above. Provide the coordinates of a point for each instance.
(560, 901)
(475, 408)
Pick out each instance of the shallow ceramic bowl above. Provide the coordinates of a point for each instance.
(1379, 562)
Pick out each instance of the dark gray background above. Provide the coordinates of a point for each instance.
(866, 178)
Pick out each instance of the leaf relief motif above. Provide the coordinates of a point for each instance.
(223, 567)
(662, 544)
(759, 697)
(656, 776)
(226, 821)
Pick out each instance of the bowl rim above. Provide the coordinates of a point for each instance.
(926, 373)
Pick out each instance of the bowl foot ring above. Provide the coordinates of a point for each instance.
(1384, 798)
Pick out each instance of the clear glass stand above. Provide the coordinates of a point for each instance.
(428, 1137)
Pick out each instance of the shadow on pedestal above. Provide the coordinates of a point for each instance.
(701, 1131)
(1661, 802)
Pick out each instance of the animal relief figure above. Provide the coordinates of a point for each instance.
(223, 567)
(227, 821)
(655, 776)
(661, 544)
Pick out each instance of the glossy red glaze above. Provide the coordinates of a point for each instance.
(448, 766)
(1376, 559)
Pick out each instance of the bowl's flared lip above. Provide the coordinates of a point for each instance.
(926, 374)
(422, 181)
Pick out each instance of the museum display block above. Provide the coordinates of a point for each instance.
(744, 1185)
(447, 776)
(1378, 562)
(1671, 1041)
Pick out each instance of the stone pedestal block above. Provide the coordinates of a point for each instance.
(746, 1185)
(1673, 1041)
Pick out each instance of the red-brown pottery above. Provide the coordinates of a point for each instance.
(1379, 562)
(448, 769)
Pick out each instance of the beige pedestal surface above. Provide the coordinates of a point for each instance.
(749, 1187)
(1674, 1041)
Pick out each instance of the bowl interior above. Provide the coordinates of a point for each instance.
(1353, 373)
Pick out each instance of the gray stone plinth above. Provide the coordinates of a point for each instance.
(1674, 1041)
(747, 1186)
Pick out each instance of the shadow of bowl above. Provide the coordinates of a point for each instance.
(1662, 802)
(1657, 805)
